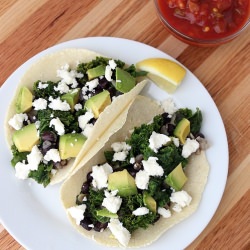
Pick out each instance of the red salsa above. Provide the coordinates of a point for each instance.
(205, 19)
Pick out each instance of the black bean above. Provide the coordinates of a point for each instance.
(200, 135)
(63, 163)
(89, 177)
(85, 187)
(137, 166)
(132, 172)
(171, 128)
(139, 158)
(104, 83)
(164, 130)
(49, 136)
(85, 223)
(112, 91)
(46, 146)
(165, 117)
(32, 115)
(98, 226)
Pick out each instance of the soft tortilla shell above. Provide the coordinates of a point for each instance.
(141, 111)
(45, 69)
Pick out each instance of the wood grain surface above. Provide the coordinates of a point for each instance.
(28, 27)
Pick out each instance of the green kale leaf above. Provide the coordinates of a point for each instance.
(195, 122)
(132, 70)
(46, 92)
(43, 174)
(18, 156)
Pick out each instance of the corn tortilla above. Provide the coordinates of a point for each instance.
(141, 111)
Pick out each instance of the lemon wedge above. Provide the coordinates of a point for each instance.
(165, 73)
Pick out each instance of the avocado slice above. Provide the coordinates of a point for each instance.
(24, 100)
(149, 202)
(96, 72)
(98, 103)
(182, 130)
(106, 213)
(123, 182)
(124, 81)
(177, 178)
(25, 138)
(72, 98)
(70, 145)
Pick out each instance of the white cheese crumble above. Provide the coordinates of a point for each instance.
(58, 104)
(120, 156)
(77, 212)
(142, 179)
(112, 202)
(39, 104)
(108, 73)
(152, 167)
(52, 155)
(100, 175)
(112, 64)
(42, 85)
(156, 141)
(34, 158)
(88, 130)
(181, 198)
(17, 120)
(84, 119)
(62, 87)
(189, 147)
(119, 232)
(78, 106)
(165, 213)
(176, 141)
(58, 125)
(132, 160)
(121, 151)
(140, 211)
(22, 170)
(91, 85)
(169, 106)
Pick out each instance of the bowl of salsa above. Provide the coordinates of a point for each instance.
(204, 22)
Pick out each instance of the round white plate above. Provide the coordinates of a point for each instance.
(34, 216)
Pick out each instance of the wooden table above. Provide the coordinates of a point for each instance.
(28, 27)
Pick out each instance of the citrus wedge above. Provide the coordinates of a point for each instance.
(165, 73)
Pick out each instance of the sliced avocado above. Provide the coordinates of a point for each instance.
(124, 81)
(182, 130)
(70, 145)
(26, 138)
(149, 202)
(177, 178)
(106, 213)
(96, 72)
(123, 182)
(98, 103)
(24, 100)
(72, 97)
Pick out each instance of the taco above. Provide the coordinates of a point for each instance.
(66, 103)
(149, 176)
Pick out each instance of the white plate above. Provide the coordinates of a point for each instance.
(34, 215)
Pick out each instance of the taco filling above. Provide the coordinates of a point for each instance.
(141, 180)
(53, 119)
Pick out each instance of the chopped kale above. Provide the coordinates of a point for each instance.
(183, 113)
(45, 93)
(43, 174)
(18, 156)
(132, 70)
(195, 122)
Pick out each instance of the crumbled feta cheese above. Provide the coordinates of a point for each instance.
(152, 167)
(108, 73)
(77, 212)
(17, 121)
(91, 85)
(142, 179)
(37, 124)
(22, 171)
(100, 175)
(176, 141)
(39, 104)
(88, 130)
(177, 208)
(189, 147)
(181, 198)
(62, 87)
(58, 125)
(156, 141)
(84, 119)
(112, 202)
(140, 211)
(120, 146)
(78, 106)
(112, 64)
(132, 160)
(120, 156)
(42, 85)
(69, 77)
(169, 106)
(52, 155)
(34, 158)
(58, 104)
(165, 213)
(119, 232)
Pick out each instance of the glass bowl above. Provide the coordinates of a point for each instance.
(194, 34)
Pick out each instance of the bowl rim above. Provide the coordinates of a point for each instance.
(198, 40)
